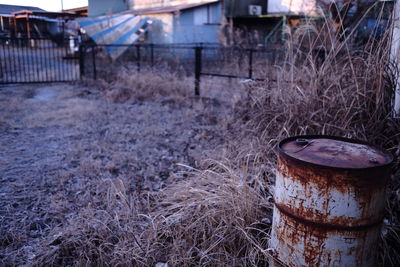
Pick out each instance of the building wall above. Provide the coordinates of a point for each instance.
(103, 7)
(298, 7)
(198, 25)
(138, 4)
(161, 31)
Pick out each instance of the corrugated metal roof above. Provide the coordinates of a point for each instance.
(8, 9)
(45, 18)
(169, 9)
(117, 31)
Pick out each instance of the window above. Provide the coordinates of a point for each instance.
(206, 15)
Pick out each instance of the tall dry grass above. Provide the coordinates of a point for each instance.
(220, 215)
(346, 92)
(214, 218)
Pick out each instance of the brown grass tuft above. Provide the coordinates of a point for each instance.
(102, 233)
(147, 85)
(215, 218)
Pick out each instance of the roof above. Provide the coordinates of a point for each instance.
(26, 13)
(78, 10)
(84, 8)
(8, 9)
(169, 9)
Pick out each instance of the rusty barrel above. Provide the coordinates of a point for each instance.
(329, 198)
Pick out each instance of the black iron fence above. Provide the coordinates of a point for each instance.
(42, 60)
(25, 60)
(194, 60)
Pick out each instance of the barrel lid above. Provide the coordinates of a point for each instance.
(336, 152)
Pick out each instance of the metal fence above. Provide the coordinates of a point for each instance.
(37, 61)
(194, 60)
(43, 60)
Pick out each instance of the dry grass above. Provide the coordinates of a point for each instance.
(122, 83)
(144, 86)
(215, 218)
(102, 233)
(212, 218)
(349, 94)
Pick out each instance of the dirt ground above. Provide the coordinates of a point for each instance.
(58, 141)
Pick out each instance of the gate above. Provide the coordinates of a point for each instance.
(37, 61)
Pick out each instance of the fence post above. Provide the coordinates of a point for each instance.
(250, 63)
(197, 69)
(138, 57)
(152, 55)
(81, 60)
(94, 62)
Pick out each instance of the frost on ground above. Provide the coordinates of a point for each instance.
(58, 142)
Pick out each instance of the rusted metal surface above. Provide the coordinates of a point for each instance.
(300, 244)
(336, 153)
(329, 201)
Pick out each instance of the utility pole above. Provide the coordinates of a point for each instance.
(62, 5)
(395, 55)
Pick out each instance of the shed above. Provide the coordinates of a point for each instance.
(6, 15)
(34, 24)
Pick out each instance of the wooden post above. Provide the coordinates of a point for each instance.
(28, 28)
(14, 19)
(10, 25)
(395, 55)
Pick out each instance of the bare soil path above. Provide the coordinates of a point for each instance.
(58, 141)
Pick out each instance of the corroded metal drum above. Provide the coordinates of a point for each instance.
(329, 202)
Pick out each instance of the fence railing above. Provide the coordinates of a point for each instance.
(196, 61)
(25, 60)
